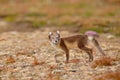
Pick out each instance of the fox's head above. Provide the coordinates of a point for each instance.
(54, 38)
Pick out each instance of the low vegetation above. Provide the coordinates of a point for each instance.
(65, 13)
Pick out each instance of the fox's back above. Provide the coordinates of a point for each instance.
(73, 41)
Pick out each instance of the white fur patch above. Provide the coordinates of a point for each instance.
(90, 38)
(56, 47)
(50, 33)
(58, 32)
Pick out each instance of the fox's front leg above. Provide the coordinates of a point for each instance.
(67, 56)
(66, 52)
(87, 50)
(56, 57)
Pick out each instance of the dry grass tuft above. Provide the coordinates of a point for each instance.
(10, 59)
(103, 61)
(36, 62)
(109, 75)
(51, 76)
(53, 66)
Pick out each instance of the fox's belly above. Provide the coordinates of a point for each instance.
(71, 45)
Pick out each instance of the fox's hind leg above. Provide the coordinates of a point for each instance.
(87, 50)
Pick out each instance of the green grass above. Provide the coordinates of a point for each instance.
(88, 14)
(117, 34)
(73, 5)
(97, 29)
(32, 14)
(111, 14)
(39, 24)
(10, 18)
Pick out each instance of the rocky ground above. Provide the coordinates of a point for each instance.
(29, 56)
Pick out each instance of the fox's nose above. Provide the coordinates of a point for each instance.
(55, 41)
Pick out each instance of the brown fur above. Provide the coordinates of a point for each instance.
(78, 41)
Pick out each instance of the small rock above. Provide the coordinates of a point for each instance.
(110, 36)
(73, 70)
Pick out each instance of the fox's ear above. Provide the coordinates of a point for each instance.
(49, 35)
(58, 33)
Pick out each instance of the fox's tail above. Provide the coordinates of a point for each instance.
(91, 38)
(96, 44)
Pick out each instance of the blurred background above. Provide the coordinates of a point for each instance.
(102, 16)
